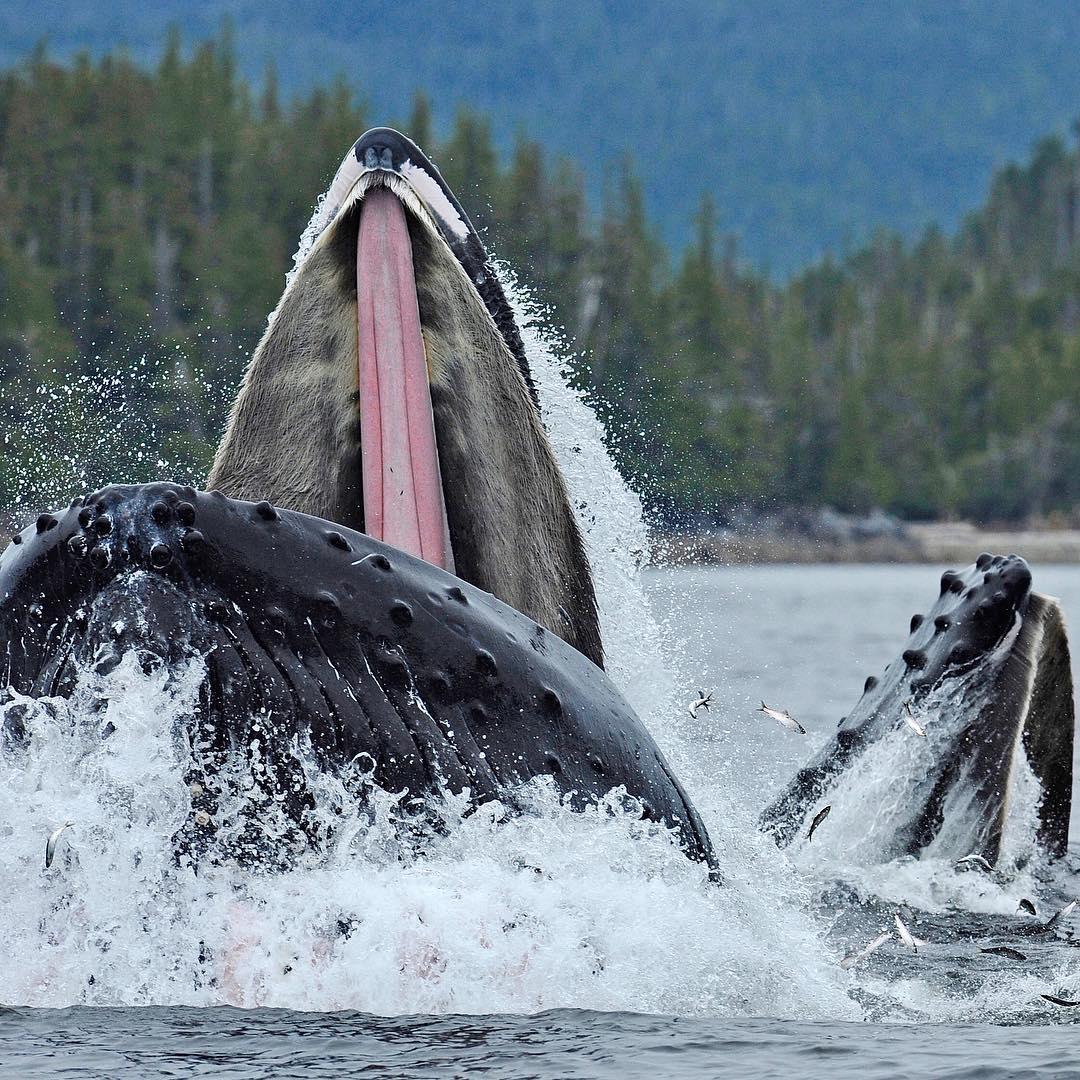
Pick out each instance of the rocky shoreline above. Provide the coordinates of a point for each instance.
(832, 538)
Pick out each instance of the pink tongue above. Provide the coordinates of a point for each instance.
(403, 500)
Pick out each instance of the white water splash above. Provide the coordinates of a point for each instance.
(882, 792)
(69, 431)
(500, 914)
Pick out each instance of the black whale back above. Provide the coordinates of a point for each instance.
(308, 627)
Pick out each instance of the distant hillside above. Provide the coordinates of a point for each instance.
(810, 123)
(147, 217)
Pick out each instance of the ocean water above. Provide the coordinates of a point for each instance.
(618, 961)
(231, 1043)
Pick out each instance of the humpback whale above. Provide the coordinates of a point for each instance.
(387, 575)
(319, 637)
(985, 673)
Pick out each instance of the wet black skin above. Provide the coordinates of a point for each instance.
(308, 627)
(975, 610)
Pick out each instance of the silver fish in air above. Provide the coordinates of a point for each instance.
(819, 817)
(54, 839)
(784, 718)
(968, 861)
(858, 957)
(1064, 913)
(704, 700)
(909, 719)
(905, 934)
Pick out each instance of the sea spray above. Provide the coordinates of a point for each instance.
(75, 434)
(542, 909)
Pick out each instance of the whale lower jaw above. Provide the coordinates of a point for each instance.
(318, 637)
(986, 675)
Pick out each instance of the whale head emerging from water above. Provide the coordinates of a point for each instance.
(389, 577)
(986, 676)
(318, 651)
(391, 394)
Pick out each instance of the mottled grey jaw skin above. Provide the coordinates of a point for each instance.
(294, 434)
(1007, 647)
(313, 631)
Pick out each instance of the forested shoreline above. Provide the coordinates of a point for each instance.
(148, 217)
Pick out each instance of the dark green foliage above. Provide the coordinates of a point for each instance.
(147, 219)
(811, 123)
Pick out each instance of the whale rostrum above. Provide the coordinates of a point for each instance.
(986, 676)
(311, 631)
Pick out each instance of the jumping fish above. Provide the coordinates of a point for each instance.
(905, 934)
(1064, 913)
(704, 700)
(1004, 950)
(1026, 905)
(819, 817)
(783, 717)
(1065, 1002)
(909, 719)
(971, 860)
(54, 839)
(858, 957)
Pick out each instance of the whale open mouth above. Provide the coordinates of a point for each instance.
(417, 259)
(986, 673)
(391, 394)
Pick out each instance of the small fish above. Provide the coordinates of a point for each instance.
(973, 860)
(819, 817)
(854, 958)
(1004, 950)
(1026, 905)
(54, 839)
(909, 719)
(704, 700)
(1064, 913)
(1060, 1001)
(905, 934)
(783, 717)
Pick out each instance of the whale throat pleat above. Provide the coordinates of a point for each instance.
(403, 495)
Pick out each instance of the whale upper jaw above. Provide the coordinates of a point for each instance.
(989, 662)
(383, 154)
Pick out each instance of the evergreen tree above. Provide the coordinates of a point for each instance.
(148, 217)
